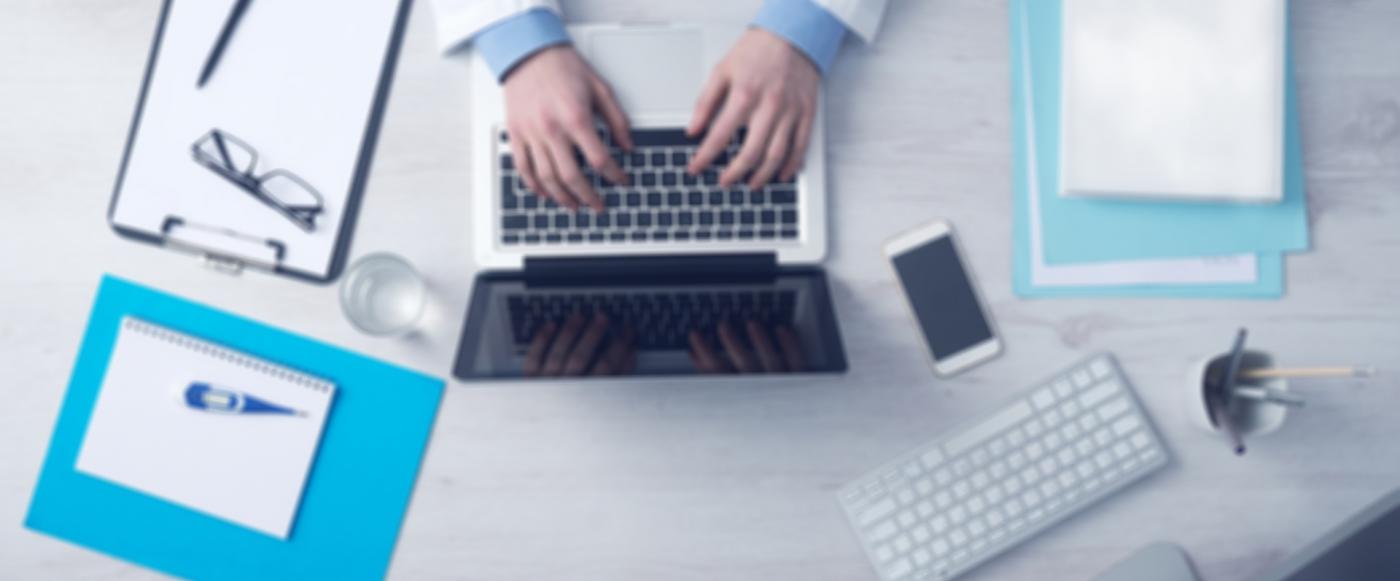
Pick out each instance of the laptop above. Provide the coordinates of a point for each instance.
(673, 253)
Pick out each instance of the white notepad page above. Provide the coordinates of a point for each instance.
(249, 469)
(1173, 99)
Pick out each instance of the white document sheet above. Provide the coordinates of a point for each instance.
(1242, 268)
(249, 469)
(1178, 99)
(297, 82)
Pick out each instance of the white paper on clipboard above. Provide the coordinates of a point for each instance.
(298, 81)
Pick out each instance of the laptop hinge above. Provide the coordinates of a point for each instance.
(761, 265)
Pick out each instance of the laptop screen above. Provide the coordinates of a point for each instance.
(519, 328)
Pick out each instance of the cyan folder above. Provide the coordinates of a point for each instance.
(1029, 20)
(1080, 230)
(356, 494)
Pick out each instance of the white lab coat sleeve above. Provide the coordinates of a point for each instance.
(459, 20)
(861, 16)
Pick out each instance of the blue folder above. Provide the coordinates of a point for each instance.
(1036, 22)
(355, 496)
(1080, 230)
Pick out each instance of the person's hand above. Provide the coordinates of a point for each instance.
(551, 98)
(769, 87)
(580, 347)
(758, 355)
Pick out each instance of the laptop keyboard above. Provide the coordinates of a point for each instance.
(664, 203)
(661, 320)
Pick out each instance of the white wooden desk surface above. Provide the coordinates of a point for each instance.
(734, 480)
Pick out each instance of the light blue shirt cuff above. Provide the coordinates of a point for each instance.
(509, 41)
(809, 27)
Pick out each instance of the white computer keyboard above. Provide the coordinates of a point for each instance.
(984, 487)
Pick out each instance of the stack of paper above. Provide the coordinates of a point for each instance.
(1173, 99)
(1076, 246)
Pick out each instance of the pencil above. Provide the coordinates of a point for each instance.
(1308, 372)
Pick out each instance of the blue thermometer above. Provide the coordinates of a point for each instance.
(221, 400)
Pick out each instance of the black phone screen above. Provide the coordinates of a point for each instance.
(941, 294)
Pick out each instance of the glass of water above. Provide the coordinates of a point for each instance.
(382, 294)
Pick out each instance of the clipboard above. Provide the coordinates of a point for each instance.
(305, 83)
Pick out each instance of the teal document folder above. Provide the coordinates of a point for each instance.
(355, 496)
(1034, 34)
(1080, 230)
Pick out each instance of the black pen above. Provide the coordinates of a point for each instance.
(235, 15)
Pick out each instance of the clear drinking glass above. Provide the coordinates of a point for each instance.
(382, 294)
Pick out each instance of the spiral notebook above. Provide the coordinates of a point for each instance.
(249, 469)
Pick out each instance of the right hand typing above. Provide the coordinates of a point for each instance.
(551, 98)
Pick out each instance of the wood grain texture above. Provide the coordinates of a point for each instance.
(685, 480)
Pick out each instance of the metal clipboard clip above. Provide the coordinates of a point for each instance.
(222, 249)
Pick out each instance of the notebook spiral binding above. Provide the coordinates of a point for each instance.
(229, 355)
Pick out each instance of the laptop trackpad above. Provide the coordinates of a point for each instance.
(651, 71)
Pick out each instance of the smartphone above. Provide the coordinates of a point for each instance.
(944, 301)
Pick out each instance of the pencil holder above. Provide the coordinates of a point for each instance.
(1251, 417)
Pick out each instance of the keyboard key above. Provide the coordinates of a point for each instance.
(789, 233)
(643, 219)
(658, 159)
(663, 218)
(541, 221)
(517, 222)
(662, 138)
(746, 217)
(789, 216)
(583, 219)
(696, 198)
(1098, 393)
(716, 198)
(574, 237)
(561, 221)
(707, 218)
(970, 437)
(507, 163)
(1126, 425)
(783, 196)
(649, 178)
(674, 199)
(511, 239)
(685, 218)
(669, 179)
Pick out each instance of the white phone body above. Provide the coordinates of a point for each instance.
(944, 365)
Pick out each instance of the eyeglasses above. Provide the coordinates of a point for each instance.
(279, 189)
